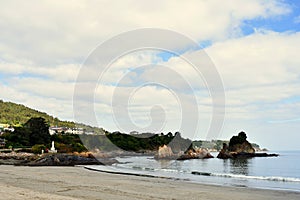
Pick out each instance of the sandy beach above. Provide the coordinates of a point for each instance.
(79, 183)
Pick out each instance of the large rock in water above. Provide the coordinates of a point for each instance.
(245, 147)
(224, 153)
(198, 153)
(239, 147)
(165, 152)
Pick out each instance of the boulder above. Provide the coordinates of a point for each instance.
(198, 153)
(165, 152)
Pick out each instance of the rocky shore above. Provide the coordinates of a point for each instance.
(58, 159)
(14, 158)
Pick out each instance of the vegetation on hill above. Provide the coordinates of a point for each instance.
(31, 129)
(35, 133)
(17, 115)
(142, 143)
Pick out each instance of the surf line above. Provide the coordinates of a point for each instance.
(264, 178)
(132, 174)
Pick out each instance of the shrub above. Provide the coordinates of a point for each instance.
(37, 149)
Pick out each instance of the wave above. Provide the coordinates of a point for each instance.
(237, 176)
(143, 168)
(128, 171)
(267, 178)
(154, 170)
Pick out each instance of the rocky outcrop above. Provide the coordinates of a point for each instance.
(69, 160)
(245, 147)
(252, 155)
(14, 158)
(61, 160)
(166, 152)
(27, 159)
(239, 147)
(198, 153)
(224, 153)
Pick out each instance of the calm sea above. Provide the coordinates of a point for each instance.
(279, 173)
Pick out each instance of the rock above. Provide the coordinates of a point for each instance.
(165, 152)
(245, 147)
(68, 160)
(201, 173)
(14, 158)
(198, 153)
(252, 155)
(224, 153)
(239, 147)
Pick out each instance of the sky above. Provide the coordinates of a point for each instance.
(252, 44)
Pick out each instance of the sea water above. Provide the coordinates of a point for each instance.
(279, 173)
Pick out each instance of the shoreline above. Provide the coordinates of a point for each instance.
(129, 172)
(21, 182)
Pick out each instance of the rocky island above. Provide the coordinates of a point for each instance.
(239, 147)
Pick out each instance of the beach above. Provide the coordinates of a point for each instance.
(78, 183)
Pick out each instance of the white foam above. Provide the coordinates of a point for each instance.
(240, 176)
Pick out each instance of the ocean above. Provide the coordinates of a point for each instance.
(277, 173)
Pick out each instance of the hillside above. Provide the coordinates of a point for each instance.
(17, 114)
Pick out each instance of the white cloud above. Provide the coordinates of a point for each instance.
(262, 58)
(64, 32)
(42, 47)
(261, 77)
(43, 88)
(67, 72)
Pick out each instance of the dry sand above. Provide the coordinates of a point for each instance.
(57, 183)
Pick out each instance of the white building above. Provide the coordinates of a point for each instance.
(54, 130)
(77, 131)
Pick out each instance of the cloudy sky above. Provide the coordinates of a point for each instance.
(253, 44)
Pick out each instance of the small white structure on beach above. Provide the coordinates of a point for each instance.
(53, 150)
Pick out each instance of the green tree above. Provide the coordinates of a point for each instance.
(38, 130)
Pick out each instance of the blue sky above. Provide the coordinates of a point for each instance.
(288, 22)
(253, 44)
